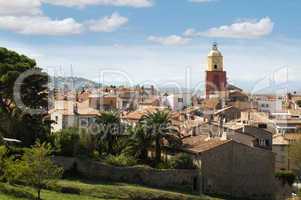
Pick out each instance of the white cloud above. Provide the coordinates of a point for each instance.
(33, 7)
(108, 23)
(242, 29)
(202, 1)
(170, 40)
(20, 7)
(40, 25)
(82, 3)
(191, 33)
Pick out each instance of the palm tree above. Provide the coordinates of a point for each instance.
(159, 125)
(139, 142)
(109, 128)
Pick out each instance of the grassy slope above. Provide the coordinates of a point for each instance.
(96, 191)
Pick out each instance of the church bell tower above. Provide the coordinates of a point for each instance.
(216, 77)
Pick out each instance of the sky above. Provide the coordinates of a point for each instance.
(162, 42)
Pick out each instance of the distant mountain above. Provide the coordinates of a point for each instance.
(72, 82)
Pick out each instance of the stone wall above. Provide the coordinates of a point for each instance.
(140, 175)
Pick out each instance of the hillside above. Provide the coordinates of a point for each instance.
(78, 83)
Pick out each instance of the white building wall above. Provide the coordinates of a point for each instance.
(62, 121)
(177, 102)
(270, 106)
(58, 121)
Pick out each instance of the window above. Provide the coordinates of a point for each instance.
(215, 66)
(262, 126)
(180, 100)
(262, 142)
(56, 118)
(84, 123)
(267, 143)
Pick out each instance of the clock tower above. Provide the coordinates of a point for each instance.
(216, 77)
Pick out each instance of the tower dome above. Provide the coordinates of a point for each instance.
(215, 59)
(214, 51)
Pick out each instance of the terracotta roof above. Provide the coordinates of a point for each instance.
(133, 115)
(223, 110)
(137, 115)
(210, 103)
(287, 121)
(292, 136)
(199, 144)
(280, 140)
(233, 87)
(153, 101)
(83, 108)
(233, 125)
(294, 112)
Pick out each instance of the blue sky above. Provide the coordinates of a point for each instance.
(157, 40)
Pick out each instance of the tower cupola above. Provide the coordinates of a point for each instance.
(215, 59)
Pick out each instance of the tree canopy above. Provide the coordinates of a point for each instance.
(159, 125)
(33, 93)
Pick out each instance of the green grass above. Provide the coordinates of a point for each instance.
(95, 191)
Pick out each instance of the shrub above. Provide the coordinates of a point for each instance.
(286, 177)
(182, 161)
(298, 103)
(164, 165)
(121, 160)
(66, 142)
(3, 152)
(12, 170)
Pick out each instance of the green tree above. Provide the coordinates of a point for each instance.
(34, 94)
(1, 139)
(110, 129)
(66, 141)
(3, 152)
(295, 155)
(159, 125)
(37, 169)
(182, 161)
(139, 142)
(298, 103)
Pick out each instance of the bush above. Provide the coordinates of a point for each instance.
(286, 177)
(164, 165)
(121, 160)
(298, 103)
(66, 142)
(3, 152)
(182, 161)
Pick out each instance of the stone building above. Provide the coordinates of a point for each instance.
(70, 114)
(232, 169)
(281, 144)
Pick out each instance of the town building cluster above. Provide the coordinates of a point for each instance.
(231, 134)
